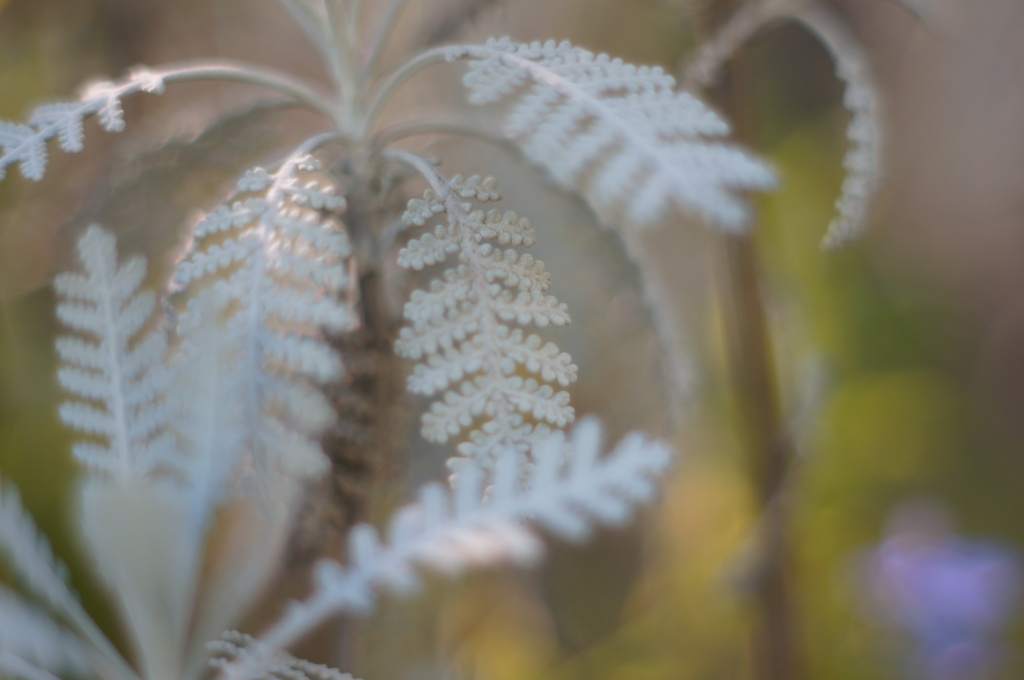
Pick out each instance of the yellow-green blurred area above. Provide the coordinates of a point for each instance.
(900, 359)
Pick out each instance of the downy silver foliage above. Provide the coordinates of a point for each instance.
(863, 158)
(25, 143)
(570, 489)
(622, 135)
(169, 471)
(106, 365)
(460, 328)
(198, 432)
(272, 262)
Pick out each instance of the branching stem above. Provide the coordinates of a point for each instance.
(414, 128)
(399, 76)
(380, 37)
(286, 84)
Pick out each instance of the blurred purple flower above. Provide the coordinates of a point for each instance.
(951, 595)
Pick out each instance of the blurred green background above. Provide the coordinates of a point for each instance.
(900, 360)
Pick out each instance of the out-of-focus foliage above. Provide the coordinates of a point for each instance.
(896, 356)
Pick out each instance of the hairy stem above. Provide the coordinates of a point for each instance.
(381, 35)
(398, 77)
(342, 36)
(313, 27)
(278, 81)
(413, 128)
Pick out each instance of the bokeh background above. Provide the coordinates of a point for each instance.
(900, 360)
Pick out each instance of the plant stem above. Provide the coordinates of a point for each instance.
(382, 33)
(185, 72)
(766, 440)
(769, 452)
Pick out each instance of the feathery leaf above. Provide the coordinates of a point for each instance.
(863, 158)
(270, 266)
(569, 490)
(26, 144)
(459, 327)
(122, 380)
(622, 135)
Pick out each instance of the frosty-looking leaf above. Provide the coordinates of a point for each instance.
(622, 135)
(570, 489)
(115, 364)
(26, 144)
(460, 329)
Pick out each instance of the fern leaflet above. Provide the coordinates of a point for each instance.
(568, 491)
(25, 143)
(126, 378)
(460, 327)
(863, 158)
(273, 267)
(620, 134)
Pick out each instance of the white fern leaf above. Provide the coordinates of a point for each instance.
(569, 490)
(276, 665)
(25, 144)
(459, 328)
(863, 158)
(271, 265)
(622, 135)
(28, 633)
(115, 365)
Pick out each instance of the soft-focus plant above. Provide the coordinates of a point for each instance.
(267, 359)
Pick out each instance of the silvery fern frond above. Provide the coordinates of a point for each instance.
(570, 489)
(864, 132)
(115, 364)
(622, 135)
(25, 143)
(461, 328)
(271, 265)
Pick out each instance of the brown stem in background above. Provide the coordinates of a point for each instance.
(769, 452)
(362, 444)
(769, 449)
